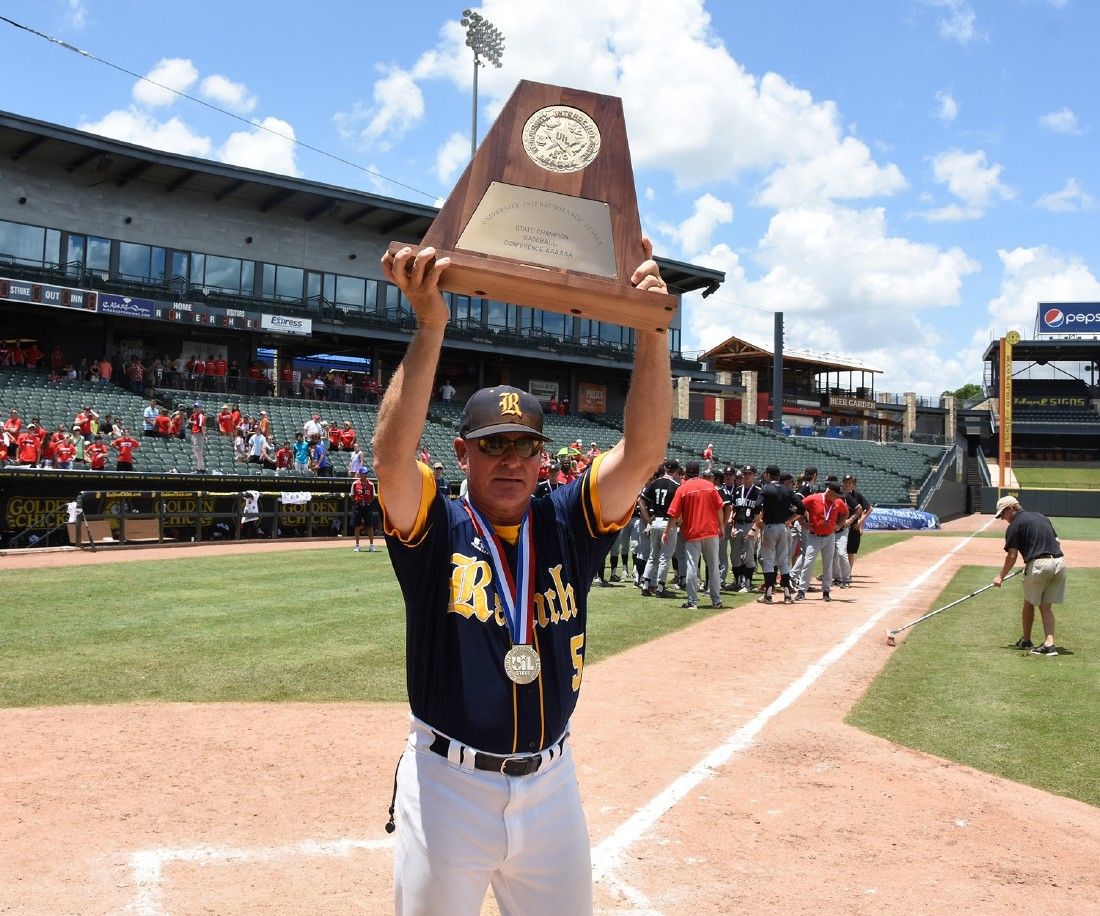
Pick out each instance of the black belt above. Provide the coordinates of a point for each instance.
(523, 765)
(1047, 556)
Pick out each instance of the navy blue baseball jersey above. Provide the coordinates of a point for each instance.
(456, 631)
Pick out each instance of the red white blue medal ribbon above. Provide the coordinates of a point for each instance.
(517, 594)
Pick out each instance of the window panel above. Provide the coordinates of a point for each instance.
(496, 314)
(350, 292)
(52, 254)
(23, 244)
(288, 283)
(98, 255)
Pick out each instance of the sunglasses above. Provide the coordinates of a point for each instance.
(525, 446)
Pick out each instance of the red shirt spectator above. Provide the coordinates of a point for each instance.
(176, 421)
(17, 355)
(57, 359)
(64, 451)
(284, 457)
(126, 446)
(236, 415)
(33, 356)
(708, 453)
(225, 422)
(697, 504)
(27, 452)
(105, 369)
(84, 421)
(13, 425)
(286, 374)
(220, 367)
(96, 455)
(333, 437)
(823, 511)
(255, 373)
(3, 451)
(163, 425)
(348, 437)
(198, 422)
(198, 367)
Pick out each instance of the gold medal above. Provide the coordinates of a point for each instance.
(522, 664)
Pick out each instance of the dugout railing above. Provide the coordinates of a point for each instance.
(119, 518)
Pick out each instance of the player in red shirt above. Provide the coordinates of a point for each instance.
(27, 446)
(125, 445)
(823, 511)
(96, 454)
(697, 510)
(348, 436)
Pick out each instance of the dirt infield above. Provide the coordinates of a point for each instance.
(716, 770)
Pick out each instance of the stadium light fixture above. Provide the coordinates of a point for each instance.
(485, 40)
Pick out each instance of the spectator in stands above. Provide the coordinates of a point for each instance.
(125, 446)
(286, 379)
(226, 426)
(5, 355)
(50, 446)
(135, 372)
(319, 461)
(447, 391)
(264, 425)
(28, 446)
(708, 452)
(18, 360)
(96, 454)
(259, 450)
(235, 416)
(198, 437)
(63, 453)
(42, 434)
(197, 367)
(593, 451)
(104, 369)
(374, 390)
(348, 437)
(57, 358)
(301, 452)
(163, 424)
(12, 427)
(233, 377)
(149, 419)
(355, 463)
(313, 428)
(333, 435)
(86, 420)
(424, 456)
(284, 458)
(563, 407)
(240, 446)
(221, 368)
(177, 424)
(255, 378)
(338, 384)
(108, 426)
(318, 384)
(79, 445)
(32, 356)
(442, 484)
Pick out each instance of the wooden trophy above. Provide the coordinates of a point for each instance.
(546, 215)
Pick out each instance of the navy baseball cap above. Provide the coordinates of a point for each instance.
(502, 409)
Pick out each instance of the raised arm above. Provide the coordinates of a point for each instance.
(647, 417)
(404, 408)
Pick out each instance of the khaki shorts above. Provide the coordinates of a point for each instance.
(1045, 581)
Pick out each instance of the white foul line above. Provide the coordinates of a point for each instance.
(607, 856)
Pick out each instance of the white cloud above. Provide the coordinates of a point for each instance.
(398, 106)
(959, 22)
(1062, 121)
(844, 284)
(451, 157)
(650, 194)
(171, 73)
(1031, 276)
(1071, 198)
(132, 125)
(970, 178)
(228, 94)
(694, 233)
(269, 147)
(76, 14)
(739, 122)
(948, 106)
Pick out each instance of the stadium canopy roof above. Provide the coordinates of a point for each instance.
(124, 163)
(735, 354)
(1059, 349)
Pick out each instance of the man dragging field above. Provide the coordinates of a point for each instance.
(1031, 534)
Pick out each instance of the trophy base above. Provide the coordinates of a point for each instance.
(553, 290)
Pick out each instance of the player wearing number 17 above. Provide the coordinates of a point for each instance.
(496, 593)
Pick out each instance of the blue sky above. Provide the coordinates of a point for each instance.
(904, 179)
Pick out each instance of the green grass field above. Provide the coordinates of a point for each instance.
(310, 625)
(1069, 529)
(956, 689)
(1057, 477)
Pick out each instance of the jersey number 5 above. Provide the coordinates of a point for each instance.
(576, 644)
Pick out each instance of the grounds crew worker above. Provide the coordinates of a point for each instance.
(495, 589)
(1031, 534)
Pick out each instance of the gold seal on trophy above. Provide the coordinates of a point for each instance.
(561, 138)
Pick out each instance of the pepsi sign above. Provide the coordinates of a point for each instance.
(1069, 317)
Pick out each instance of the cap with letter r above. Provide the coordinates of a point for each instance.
(503, 409)
(1006, 502)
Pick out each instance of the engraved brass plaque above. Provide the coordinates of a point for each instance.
(542, 228)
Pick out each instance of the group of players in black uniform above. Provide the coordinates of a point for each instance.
(762, 526)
